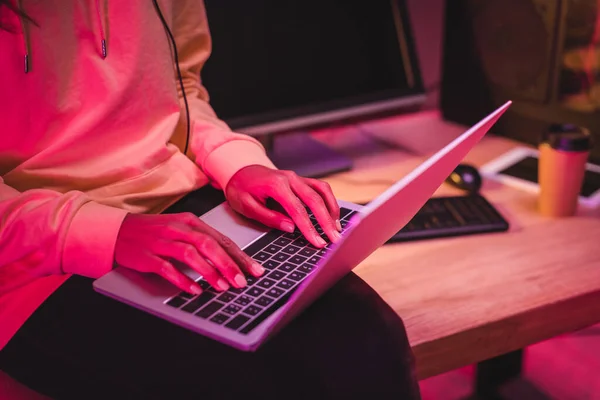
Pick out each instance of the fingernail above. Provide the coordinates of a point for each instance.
(195, 289)
(338, 225)
(287, 226)
(320, 241)
(221, 284)
(240, 280)
(257, 269)
(336, 236)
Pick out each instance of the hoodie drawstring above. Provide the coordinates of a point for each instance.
(26, 44)
(25, 30)
(101, 25)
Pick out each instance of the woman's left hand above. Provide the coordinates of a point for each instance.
(250, 187)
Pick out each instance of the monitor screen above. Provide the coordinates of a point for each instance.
(280, 65)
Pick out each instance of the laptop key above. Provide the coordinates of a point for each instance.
(237, 322)
(186, 295)
(276, 275)
(287, 267)
(307, 252)
(261, 256)
(270, 264)
(243, 300)
(347, 216)
(203, 284)
(219, 319)
(266, 313)
(292, 235)
(251, 280)
(286, 284)
(297, 276)
(266, 283)
(275, 292)
(238, 290)
(176, 302)
(291, 249)
(297, 260)
(281, 257)
(255, 292)
(344, 212)
(322, 252)
(282, 242)
(232, 309)
(272, 249)
(226, 297)
(264, 301)
(210, 309)
(252, 310)
(301, 242)
(198, 302)
(314, 260)
(306, 268)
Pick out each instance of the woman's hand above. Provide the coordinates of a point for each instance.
(147, 243)
(249, 189)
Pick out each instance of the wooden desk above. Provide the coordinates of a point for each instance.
(468, 299)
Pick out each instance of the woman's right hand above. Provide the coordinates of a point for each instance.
(146, 243)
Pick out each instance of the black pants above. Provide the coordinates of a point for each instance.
(81, 345)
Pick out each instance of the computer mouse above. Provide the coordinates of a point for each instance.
(465, 177)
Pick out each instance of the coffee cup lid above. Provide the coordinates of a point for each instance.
(568, 137)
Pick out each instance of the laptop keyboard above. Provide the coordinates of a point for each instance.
(288, 259)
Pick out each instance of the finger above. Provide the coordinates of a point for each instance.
(315, 202)
(187, 253)
(240, 258)
(165, 269)
(252, 208)
(326, 193)
(283, 194)
(193, 231)
(212, 251)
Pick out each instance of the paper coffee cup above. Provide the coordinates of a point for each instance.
(563, 153)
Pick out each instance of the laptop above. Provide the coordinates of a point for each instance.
(296, 273)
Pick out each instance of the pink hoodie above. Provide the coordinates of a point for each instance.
(84, 138)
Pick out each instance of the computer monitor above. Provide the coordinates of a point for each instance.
(284, 66)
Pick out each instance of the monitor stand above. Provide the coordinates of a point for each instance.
(304, 155)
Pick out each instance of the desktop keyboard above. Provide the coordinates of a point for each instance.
(288, 258)
(452, 216)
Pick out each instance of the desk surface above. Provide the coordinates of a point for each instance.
(471, 298)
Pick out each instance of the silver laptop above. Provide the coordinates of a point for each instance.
(296, 273)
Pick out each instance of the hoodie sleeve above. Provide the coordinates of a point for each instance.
(218, 151)
(43, 232)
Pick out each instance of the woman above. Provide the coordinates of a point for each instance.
(105, 124)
